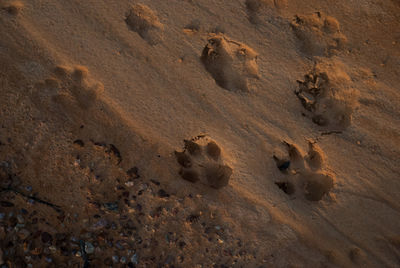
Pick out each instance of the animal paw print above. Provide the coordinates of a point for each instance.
(145, 22)
(327, 96)
(230, 63)
(201, 160)
(319, 35)
(68, 89)
(304, 173)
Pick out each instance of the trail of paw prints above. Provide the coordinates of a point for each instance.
(327, 96)
(67, 90)
(144, 21)
(201, 160)
(304, 174)
(230, 63)
(319, 34)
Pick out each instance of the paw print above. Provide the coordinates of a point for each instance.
(201, 160)
(319, 35)
(304, 173)
(231, 63)
(69, 89)
(327, 96)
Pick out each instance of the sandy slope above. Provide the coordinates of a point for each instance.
(145, 82)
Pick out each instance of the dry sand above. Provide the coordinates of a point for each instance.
(257, 133)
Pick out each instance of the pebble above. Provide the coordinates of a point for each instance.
(89, 248)
(134, 258)
(113, 206)
(123, 260)
(20, 219)
(28, 188)
(129, 183)
(119, 245)
(49, 260)
(100, 224)
(115, 259)
(23, 234)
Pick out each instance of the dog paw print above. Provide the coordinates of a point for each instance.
(319, 35)
(304, 173)
(327, 96)
(144, 21)
(70, 89)
(201, 160)
(231, 63)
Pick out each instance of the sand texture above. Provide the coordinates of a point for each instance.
(199, 133)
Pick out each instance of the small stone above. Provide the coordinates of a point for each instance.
(28, 188)
(20, 219)
(53, 249)
(123, 260)
(48, 259)
(113, 206)
(23, 234)
(115, 259)
(129, 183)
(89, 248)
(119, 245)
(134, 258)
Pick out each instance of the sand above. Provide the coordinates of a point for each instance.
(257, 133)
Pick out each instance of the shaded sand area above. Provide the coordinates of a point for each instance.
(257, 133)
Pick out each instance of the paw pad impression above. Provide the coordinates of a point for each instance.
(304, 173)
(201, 160)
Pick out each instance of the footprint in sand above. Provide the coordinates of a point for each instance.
(201, 160)
(304, 173)
(327, 96)
(230, 63)
(69, 89)
(319, 35)
(144, 21)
